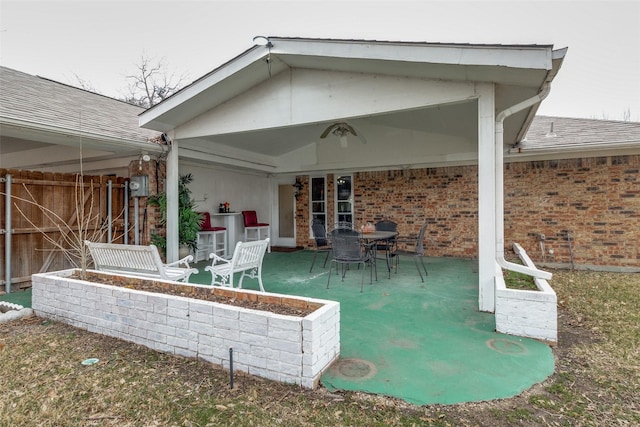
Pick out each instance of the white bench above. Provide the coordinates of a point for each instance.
(247, 258)
(138, 260)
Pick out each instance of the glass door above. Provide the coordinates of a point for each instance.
(344, 199)
(283, 224)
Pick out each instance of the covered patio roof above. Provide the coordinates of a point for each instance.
(409, 105)
(267, 108)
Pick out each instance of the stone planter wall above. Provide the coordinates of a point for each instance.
(526, 313)
(278, 347)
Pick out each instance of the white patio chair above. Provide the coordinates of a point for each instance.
(247, 259)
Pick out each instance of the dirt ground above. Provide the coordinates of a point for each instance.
(571, 333)
(206, 294)
(584, 390)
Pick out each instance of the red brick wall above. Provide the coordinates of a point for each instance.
(148, 215)
(597, 199)
(445, 197)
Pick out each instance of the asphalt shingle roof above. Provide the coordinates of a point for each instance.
(568, 134)
(35, 100)
(43, 102)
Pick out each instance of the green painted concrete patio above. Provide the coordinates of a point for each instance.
(420, 342)
(424, 343)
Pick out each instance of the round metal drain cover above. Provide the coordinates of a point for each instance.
(354, 369)
(504, 346)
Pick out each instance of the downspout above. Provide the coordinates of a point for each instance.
(499, 180)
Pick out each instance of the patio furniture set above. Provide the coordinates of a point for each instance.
(346, 246)
(349, 246)
(145, 261)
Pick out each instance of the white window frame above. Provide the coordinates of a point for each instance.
(337, 213)
(311, 202)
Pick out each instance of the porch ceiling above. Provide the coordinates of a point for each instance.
(279, 141)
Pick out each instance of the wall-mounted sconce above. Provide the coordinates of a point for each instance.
(298, 186)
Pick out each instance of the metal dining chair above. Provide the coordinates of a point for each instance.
(388, 245)
(321, 242)
(347, 249)
(413, 247)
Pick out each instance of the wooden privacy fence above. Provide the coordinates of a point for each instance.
(38, 197)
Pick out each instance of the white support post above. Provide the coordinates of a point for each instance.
(486, 197)
(171, 188)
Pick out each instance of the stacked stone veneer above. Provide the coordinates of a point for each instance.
(596, 199)
(278, 347)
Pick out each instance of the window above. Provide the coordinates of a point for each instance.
(318, 200)
(344, 199)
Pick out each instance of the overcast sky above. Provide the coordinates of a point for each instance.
(102, 41)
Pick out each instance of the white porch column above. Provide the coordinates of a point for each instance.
(486, 197)
(171, 188)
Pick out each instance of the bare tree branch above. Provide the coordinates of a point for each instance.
(152, 83)
(85, 84)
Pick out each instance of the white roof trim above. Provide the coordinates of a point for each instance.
(453, 54)
(248, 68)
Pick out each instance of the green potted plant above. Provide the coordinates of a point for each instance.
(188, 219)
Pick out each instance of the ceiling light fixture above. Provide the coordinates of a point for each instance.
(341, 130)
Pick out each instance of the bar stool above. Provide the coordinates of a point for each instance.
(251, 224)
(210, 239)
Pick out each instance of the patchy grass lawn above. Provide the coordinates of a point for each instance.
(42, 380)
(515, 280)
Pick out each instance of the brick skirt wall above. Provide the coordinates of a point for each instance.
(596, 199)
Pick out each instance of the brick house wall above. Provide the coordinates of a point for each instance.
(148, 215)
(596, 199)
